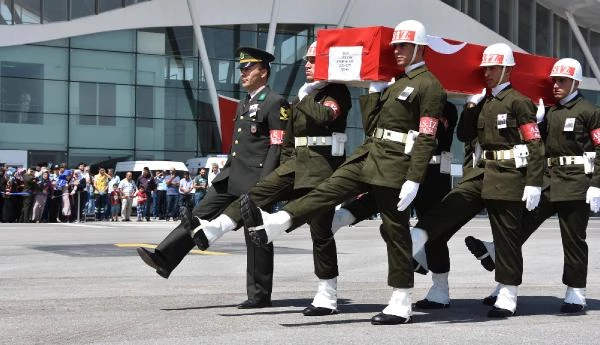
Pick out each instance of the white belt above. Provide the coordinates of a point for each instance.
(436, 160)
(497, 154)
(312, 141)
(386, 134)
(566, 160)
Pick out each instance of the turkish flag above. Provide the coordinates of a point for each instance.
(358, 55)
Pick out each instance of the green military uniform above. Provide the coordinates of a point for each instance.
(308, 162)
(253, 155)
(568, 135)
(506, 120)
(380, 166)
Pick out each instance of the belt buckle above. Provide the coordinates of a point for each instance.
(489, 155)
(313, 140)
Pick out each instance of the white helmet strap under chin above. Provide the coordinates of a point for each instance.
(413, 55)
(572, 87)
(501, 75)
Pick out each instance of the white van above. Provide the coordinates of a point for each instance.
(193, 164)
(138, 166)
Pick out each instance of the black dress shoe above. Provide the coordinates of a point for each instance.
(489, 300)
(252, 304)
(253, 221)
(477, 248)
(387, 319)
(155, 261)
(499, 312)
(417, 268)
(571, 308)
(188, 221)
(311, 310)
(201, 240)
(427, 304)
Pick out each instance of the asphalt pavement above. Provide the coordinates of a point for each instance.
(84, 284)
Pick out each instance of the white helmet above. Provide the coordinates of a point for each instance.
(568, 67)
(410, 31)
(499, 54)
(312, 50)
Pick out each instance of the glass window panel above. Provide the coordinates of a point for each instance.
(453, 3)
(525, 27)
(220, 42)
(180, 41)
(123, 40)
(487, 14)
(473, 9)
(33, 62)
(27, 11)
(542, 32)
(595, 45)
(82, 8)
(47, 134)
(164, 134)
(562, 37)
(576, 52)
(63, 42)
(179, 104)
(506, 18)
(96, 134)
(133, 2)
(171, 71)
(55, 11)
(151, 70)
(6, 16)
(102, 66)
(107, 5)
(101, 99)
(98, 157)
(144, 103)
(151, 41)
(22, 99)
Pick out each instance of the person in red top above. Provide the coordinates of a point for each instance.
(142, 197)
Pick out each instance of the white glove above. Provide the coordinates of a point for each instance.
(408, 192)
(541, 111)
(310, 87)
(378, 86)
(592, 197)
(531, 196)
(475, 99)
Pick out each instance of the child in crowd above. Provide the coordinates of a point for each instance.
(115, 203)
(141, 202)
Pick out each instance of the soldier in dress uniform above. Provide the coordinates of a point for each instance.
(314, 148)
(383, 165)
(572, 179)
(259, 128)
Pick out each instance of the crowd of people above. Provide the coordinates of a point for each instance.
(57, 194)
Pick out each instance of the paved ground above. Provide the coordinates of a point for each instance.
(84, 284)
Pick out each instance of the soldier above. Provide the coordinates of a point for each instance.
(573, 151)
(258, 135)
(383, 165)
(314, 146)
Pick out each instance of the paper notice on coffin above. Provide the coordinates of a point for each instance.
(345, 63)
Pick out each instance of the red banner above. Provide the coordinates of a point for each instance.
(363, 54)
(227, 108)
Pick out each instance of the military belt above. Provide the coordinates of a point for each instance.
(565, 160)
(386, 134)
(312, 141)
(436, 160)
(497, 155)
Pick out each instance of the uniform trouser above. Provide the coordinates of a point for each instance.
(275, 188)
(442, 221)
(506, 219)
(573, 216)
(25, 216)
(345, 183)
(179, 242)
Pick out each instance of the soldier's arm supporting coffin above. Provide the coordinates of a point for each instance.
(356, 56)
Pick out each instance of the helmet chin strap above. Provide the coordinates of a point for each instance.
(572, 87)
(413, 55)
(501, 75)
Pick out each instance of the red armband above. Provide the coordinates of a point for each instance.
(530, 131)
(595, 135)
(276, 136)
(334, 106)
(428, 125)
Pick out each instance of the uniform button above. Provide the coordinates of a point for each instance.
(261, 164)
(236, 141)
(233, 154)
(241, 117)
(239, 129)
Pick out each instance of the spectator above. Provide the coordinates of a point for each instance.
(89, 189)
(115, 203)
(128, 190)
(100, 193)
(172, 181)
(161, 194)
(43, 190)
(200, 185)
(114, 179)
(141, 199)
(214, 171)
(29, 188)
(185, 191)
(63, 186)
(145, 180)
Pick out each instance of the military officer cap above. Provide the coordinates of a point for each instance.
(249, 56)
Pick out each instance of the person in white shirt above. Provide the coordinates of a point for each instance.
(214, 171)
(186, 190)
(128, 190)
